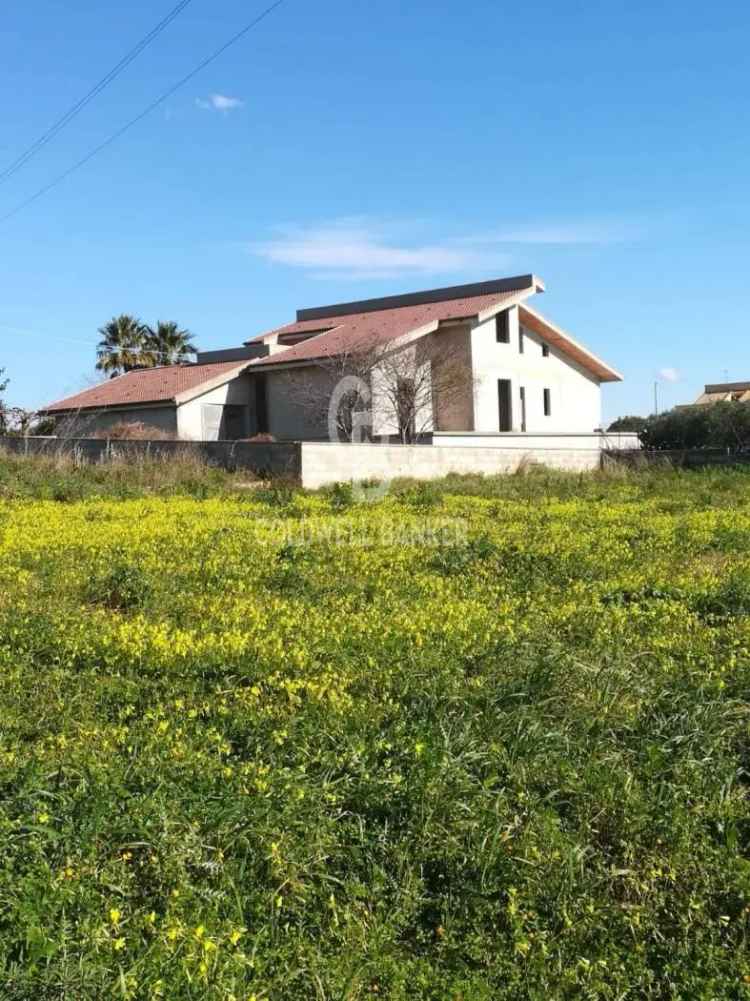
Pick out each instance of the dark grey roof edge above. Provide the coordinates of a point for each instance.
(514, 284)
(247, 351)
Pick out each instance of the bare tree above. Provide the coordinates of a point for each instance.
(424, 386)
(400, 390)
(19, 421)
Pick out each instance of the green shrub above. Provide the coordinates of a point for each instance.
(723, 425)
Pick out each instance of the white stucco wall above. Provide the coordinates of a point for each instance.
(575, 394)
(237, 392)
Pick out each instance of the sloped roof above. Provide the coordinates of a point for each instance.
(345, 327)
(333, 331)
(561, 340)
(347, 333)
(166, 384)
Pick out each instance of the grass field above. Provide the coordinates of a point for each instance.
(482, 739)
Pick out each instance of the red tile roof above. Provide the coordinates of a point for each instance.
(333, 331)
(147, 385)
(347, 333)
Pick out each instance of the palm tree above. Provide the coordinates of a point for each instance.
(168, 344)
(122, 346)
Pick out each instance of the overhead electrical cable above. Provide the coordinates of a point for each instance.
(146, 111)
(71, 113)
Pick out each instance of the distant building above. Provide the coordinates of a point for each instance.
(724, 392)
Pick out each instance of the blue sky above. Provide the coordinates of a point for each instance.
(347, 149)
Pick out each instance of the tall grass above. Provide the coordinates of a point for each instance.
(513, 765)
(62, 476)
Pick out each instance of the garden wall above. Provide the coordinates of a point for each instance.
(316, 464)
(330, 462)
(262, 458)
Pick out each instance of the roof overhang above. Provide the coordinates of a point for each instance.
(111, 407)
(209, 384)
(558, 338)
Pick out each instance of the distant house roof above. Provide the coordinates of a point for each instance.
(722, 392)
(166, 384)
(328, 331)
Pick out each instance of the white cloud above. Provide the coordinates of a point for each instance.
(352, 248)
(596, 231)
(362, 248)
(669, 374)
(219, 102)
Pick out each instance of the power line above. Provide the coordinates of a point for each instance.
(71, 113)
(146, 111)
(39, 333)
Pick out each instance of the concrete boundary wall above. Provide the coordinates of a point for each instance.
(543, 441)
(328, 462)
(317, 464)
(280, 459)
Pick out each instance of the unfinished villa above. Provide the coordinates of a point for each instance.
(470, 360)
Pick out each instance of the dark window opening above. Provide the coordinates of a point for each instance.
(223, 423)
(545, 350)
(547, 403)
(505, 405)
(520, 340)
(523, 408)
(406, 404)
(502, 327)
(234, 422)
(261, 405)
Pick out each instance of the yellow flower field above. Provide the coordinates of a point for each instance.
(457, 744)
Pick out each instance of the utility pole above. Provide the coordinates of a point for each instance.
(656, 398)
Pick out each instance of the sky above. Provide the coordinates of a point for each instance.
(346, 149)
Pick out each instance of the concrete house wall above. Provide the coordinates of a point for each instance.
(83, 423)
(193, 420)
(575, 394)
(296, 403)
(454, 405)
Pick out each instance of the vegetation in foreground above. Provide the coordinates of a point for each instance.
(60, 477)
(283, 746)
